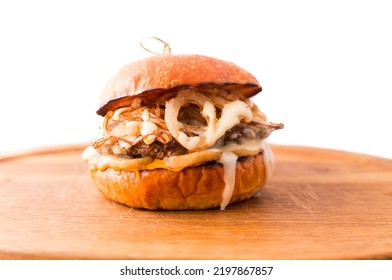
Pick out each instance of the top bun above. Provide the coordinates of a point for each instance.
(161, 73)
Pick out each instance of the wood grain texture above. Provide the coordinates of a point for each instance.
(320, 204)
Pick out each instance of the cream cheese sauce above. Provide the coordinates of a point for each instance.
(229, 161)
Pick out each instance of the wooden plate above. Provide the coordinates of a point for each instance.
(320, 204)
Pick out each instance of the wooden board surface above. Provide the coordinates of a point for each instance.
(320, 204)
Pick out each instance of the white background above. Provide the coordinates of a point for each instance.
(325, 66)
(111, 269)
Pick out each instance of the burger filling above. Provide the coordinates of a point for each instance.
(182, 122)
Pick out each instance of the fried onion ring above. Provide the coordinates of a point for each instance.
(172, 110)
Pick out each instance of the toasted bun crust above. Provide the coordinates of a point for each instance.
(198, 187)
(164, 72)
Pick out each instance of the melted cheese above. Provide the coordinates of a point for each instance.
(232, 114)
(229, 161)
(268, 160)
(122, 163)
(247, 148)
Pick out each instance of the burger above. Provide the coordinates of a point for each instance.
(180, 132)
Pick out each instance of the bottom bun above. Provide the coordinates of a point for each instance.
(199, 187)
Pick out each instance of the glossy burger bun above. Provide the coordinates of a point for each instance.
(199, 187)
(160, 73)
